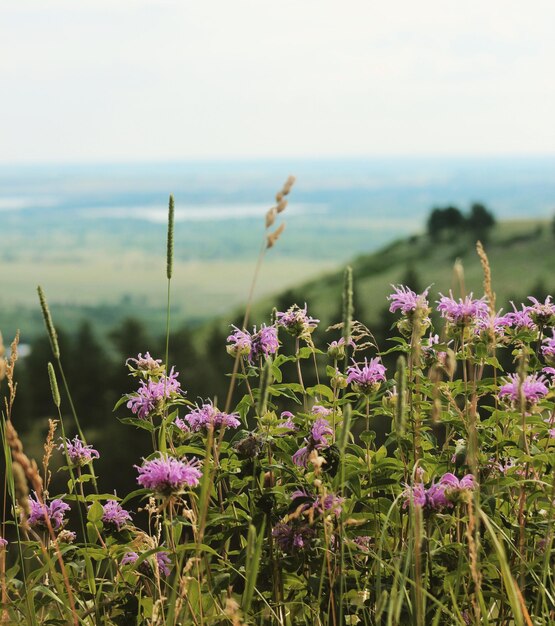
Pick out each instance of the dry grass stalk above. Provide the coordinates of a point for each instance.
(9, 367)
(28, 466)
(48, 449)
(21, 488)
(271, 216)
(273, 237)
(487, 276)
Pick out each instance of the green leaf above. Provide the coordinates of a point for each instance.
(95, 512)
(320, 390)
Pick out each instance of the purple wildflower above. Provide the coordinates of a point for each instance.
(450, 481)
(520, 320)
(548, 350)
(162, 559)
(129, 558)
(264, 342)
(319, 433)
(115, 514)
(542, 313)
(291, 537)
(3, 542)
(336, 349)
(287, 421)
(330, 503)
(167, 475)
(462, 312)
(297, 322)
(504, 465)
(240, 342)
(407, 301)
(79, 454)
(533, 387)
(435, 497)
(164, 562)
(549, 371)
(205, 416)
(54, 511)
(499, 324)
(362, 542)
(438, 495)
(146, 365)
(150, 394)
(367, 378)
(321, 411)
(415, 495)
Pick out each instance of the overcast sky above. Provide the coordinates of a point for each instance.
(94, 80)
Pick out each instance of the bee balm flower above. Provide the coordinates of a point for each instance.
(167, 475)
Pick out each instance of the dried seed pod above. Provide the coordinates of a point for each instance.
(273, 237)
(282, 204)
(271, 216)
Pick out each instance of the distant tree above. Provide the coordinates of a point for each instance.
(442, 220)
(88, 375)
(480, 221)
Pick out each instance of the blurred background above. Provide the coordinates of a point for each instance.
(412, 128)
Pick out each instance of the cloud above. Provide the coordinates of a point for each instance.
(131, 79)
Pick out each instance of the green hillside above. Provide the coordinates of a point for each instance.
(521, 253)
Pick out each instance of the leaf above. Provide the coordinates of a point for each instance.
(321, 390)
(95, 512)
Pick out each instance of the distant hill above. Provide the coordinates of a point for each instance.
(521, 253)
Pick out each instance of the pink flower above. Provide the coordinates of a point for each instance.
(533, 387)
(205, 416)
(150, 394)
(367, 377)
(167, 475)
(462, 312)
(406, 300)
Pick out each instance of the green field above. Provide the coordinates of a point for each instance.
(521, 254)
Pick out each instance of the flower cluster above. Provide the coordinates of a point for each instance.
(317, 440)
(462, 312)
(291, 536)
(407, 301)
(261, 343)
(146, 365)
(151, 394)
(166, 475)
(548, 350)
(367, 378)
(207, 416)
(78, 453)
(330, 503)
(162, 560)
(542, 313)
(41, 511)
(533, 388)
(440, 495)
(337, 349)
(297, 322)
(115, 515)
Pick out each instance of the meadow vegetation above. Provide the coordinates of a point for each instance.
(334, 479)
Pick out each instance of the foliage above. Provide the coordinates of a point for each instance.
(247, 513)
(450, 220)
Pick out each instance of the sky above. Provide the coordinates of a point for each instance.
(126, 80)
